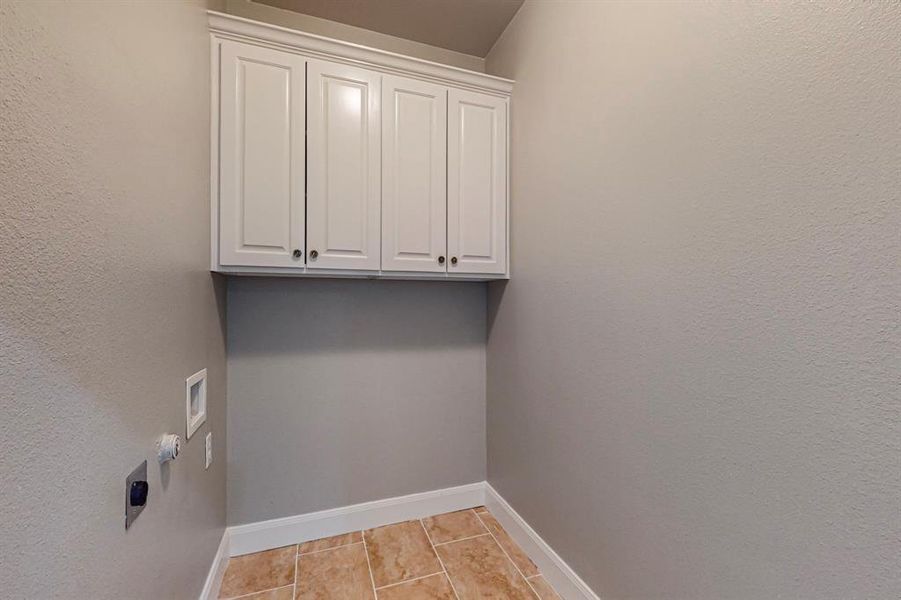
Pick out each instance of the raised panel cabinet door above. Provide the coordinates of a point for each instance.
(414, 175)
(477, 183)
(343, 167)
(261, 163)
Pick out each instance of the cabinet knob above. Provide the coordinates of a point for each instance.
(454, 260)
(440, 260)
(313, 254)
(297, 254)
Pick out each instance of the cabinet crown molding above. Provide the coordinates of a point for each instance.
(237, 28)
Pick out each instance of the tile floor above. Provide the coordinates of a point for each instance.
(454, 556)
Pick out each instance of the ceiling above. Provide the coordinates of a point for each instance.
(467, 26)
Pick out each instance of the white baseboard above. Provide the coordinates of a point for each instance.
(217, 570)
(265, 535)
(560, 575)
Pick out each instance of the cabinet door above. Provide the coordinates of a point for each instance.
(414, 175)
(261, 163)
(477, 183)
(343, 167)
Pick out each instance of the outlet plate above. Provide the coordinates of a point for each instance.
(209, 449)
(132, 511)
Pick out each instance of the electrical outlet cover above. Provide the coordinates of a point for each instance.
(133, 510)
(209, 450)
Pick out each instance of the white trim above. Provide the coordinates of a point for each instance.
(247, 30)
(265, 535)
(217, 570)
(354, 273)
(560, 575)
(214, 152)
(276, 533)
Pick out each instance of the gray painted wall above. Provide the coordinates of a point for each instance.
(695, 372)
(348, 391)
(106, 302)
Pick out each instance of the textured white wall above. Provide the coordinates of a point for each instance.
(695, 372)
(348, 391)
(106, 302)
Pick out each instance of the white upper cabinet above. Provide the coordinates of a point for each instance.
(477, 183)
(414, 175)
(343, 167)
(330, 159)
(261, 162)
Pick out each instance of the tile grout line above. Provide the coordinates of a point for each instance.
(375, 594)
(296, 569)
(248, 594)
(472, 537)
(327, 549)
(526, 579)
(440, 562)
(409, 580)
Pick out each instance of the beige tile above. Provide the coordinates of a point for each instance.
(330, 542)
(435, 587)
(259, 571)
(544, 589)
(478, 568)
(453, 526)
(398, 552)
(282, 593)
(336, 573)
(523, 562)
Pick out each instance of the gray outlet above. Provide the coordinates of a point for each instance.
(137, 491)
